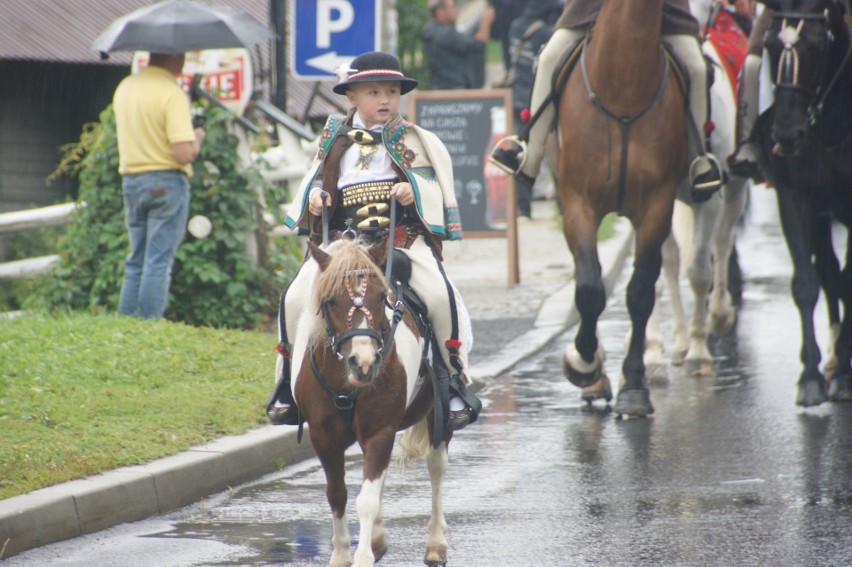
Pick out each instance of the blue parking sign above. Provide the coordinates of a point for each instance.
(325, 34)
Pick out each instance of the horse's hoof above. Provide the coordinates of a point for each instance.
(840, 388)
(811, 393)
(436, 556)
(579, 372)
(657, 374)
(379, 549)
(600, 390)
(722, 323)
(633, 403)
(678, 357)
(699, 368)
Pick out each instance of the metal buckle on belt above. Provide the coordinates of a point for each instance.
(364, 137)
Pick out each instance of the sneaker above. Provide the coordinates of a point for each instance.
(507, 155)
(284, 415)
(705, 177)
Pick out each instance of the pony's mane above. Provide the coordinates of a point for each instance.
(349, 259)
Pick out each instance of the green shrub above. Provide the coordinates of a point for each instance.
(215, 280)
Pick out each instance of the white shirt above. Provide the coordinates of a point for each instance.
(379, 164)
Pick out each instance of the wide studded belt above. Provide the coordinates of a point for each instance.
(364, 206)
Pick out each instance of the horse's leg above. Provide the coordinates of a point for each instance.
(682, 238)
(722, 315)
(795, 220)
(699, 361)
(583, 360)
(828, 271)
(436, 540)
(377, 453)
(840, 387)
(655, 362)
(331, 457)
(633, 398)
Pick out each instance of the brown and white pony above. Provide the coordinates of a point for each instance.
(360, 377)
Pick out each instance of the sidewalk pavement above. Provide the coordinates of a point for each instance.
(510, 323)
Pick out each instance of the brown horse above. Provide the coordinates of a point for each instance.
(361, 377)
(623, 139)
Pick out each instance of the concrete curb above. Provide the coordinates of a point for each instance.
(134, 493)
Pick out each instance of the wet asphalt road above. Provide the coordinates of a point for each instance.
(727, 472)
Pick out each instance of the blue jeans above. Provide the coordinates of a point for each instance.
(156, 207)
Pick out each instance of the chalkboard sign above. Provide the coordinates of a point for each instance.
(470, 122)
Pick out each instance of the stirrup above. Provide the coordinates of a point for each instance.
(284, 415)
(509, 155)
(705, 183)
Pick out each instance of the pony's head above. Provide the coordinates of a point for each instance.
(801, 43)
(351, 293)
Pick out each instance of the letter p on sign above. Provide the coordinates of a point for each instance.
(333, 16)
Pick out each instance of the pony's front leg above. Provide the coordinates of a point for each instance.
(371, 542)
(341, 555)
(436, 540)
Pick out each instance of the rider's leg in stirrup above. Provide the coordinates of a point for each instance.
(281, 408)
(521, 155)
(743, 162)
(705, 171)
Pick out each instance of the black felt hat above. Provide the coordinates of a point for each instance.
(374, 66)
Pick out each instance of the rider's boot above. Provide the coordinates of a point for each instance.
(281, 408)
(464, 405)
(705, 176)
(743, 162)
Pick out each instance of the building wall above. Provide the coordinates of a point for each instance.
(44, 105)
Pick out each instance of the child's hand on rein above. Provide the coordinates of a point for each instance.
(315, 201)
(403, 193)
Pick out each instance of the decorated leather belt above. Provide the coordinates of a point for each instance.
(364, 206)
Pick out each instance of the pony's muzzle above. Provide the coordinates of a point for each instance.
(363, 369)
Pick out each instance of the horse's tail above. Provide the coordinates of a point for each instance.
(414, 444)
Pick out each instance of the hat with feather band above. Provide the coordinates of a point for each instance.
(373, 66)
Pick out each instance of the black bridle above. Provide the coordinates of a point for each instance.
(787, 75)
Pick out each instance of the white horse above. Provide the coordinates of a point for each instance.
(702, 239)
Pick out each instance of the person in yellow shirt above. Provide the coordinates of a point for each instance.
(156, 145)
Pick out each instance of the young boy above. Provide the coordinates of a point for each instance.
(365, 159)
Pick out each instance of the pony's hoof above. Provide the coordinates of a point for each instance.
(633, 403)
(722, 323)
(436, 556)
(579, 372)
(811, 393)
(600, 390)
(840, 388)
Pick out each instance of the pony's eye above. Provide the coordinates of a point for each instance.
(332, 303)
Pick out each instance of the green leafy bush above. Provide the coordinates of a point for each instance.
(215, 280)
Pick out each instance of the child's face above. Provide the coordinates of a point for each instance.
(376, 101)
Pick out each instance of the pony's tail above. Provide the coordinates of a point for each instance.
(414, 444)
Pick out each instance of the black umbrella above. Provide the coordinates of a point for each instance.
(178, 26)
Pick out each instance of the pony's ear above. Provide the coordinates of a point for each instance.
(379, 251)
(319, 255)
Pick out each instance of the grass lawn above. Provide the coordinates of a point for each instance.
(83, 394)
